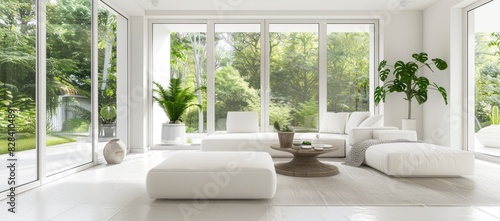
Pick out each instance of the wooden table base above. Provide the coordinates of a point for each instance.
(306, 167)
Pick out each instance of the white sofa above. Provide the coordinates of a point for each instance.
(413, 159)
(243, 133)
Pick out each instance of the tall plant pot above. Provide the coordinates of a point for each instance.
(286, 139)
(489, 136)
(173, 134)
(409, 124)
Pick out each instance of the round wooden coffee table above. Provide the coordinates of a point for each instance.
(305, 163)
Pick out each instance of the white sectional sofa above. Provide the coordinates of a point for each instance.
(243, 133)
(411, 159)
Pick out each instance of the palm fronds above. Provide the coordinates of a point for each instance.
(176, 99)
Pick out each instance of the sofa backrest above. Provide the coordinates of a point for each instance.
(242, 122)
(355, 119)
(342, 122)
(333, 122)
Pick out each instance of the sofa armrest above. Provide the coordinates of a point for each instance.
(357, 134)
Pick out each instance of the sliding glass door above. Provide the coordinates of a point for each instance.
(18, 147)
(484, 78)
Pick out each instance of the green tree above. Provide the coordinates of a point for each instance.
(232, 93)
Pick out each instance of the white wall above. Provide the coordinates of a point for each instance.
(402, 37)
(138, 94)
(443, 38)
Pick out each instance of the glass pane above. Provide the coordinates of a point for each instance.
(237, 70)
(348, 67)
(486, 33)
(18, 93)
(294, 75)
(68, 84)
(112, 89)
(179, 51)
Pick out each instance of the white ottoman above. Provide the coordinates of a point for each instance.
(419, 159)
(213, 175)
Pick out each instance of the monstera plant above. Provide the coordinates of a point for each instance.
(404, 78)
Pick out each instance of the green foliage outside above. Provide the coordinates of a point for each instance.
(76, 125)
(294, 74)
(487, 76)
(29, 143)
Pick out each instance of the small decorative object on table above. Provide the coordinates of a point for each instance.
(285, 135)
(114, 151)
(316, 143)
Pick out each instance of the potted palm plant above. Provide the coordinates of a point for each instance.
(285, 135)
(407, 80)
(175, 101)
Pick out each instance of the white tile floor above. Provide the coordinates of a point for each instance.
(117, 192)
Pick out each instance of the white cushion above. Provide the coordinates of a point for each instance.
(355, 119)
(419, 159)
(410, 135)
(242, 122)
(213, 175)
(373, 121)
(334, 123)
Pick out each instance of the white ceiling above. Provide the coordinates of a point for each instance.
(134, 6)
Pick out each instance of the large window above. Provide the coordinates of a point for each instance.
(53, 74)
(69, 80)
(287, 72)
(484, 78)
(349, 62)
(18, 92)
(179, 51)
(294, 75)
(237, 70)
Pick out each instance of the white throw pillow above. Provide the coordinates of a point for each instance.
(355, 119)
(410, 135)
(333, 123)
(373, 121)
(242, 122)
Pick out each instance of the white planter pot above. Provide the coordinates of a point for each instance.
(408, 124)
(173, 134)
(489, 136)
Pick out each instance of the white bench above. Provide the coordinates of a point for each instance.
(213, 175)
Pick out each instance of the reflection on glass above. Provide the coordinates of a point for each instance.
(18, 93)
(112, 86)
(294, 75)
(68, 84)
(348, 67)
(237, 73)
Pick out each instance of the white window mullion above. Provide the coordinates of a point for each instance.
(41, 98)
(210, 77)
(265, 76)
(322, 62)
(94, 79)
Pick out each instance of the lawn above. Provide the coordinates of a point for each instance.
(28, 143)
